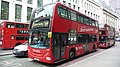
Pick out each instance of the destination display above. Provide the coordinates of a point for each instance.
(42, 24)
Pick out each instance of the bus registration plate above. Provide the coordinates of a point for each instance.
(36, 59)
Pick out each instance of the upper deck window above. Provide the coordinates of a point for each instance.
(66, 13)
(86, 21)
(73, 15)
(26, 26)
(80, 18)
(19, 25)
(62, 12)
(10, 25)
(43, 11)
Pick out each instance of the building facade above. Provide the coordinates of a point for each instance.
(90, 8)
(97, 9)
(109, 16)
(18, 10)
(115, 4)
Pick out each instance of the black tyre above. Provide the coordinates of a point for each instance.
(26, 53)
(72, 54)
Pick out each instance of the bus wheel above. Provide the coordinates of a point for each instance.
(26, 54)
(72, 54)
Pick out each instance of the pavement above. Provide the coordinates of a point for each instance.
(4, 52)
(108, 58)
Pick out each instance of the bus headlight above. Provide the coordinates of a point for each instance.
(0, 42)
(48, 58)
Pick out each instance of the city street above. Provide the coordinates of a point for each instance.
(57, 30)
(101, 58)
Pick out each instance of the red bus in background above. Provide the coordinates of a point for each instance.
(12, 34)
(106, 36)
(58, 33)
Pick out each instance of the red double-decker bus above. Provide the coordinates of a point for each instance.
(12, 34)
(106, 36)
(58, 33)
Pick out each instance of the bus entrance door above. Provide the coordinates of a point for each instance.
(86, 42)
(85, 47)
(59, 43)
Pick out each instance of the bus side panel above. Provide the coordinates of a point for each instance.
(79, 50)
(92, 46)
(7, 39)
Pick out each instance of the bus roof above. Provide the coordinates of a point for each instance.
(2, 21)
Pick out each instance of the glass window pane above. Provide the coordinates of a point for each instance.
(39, 2)
(4, 10)
(86, 21)
(62, 12)
(93, 23)
(19, 0)
(29, 1)
(72, 37)
(29, 11)
(10, 25)
(18, 9)
(19, 37)
(80, 18)
(19, 25)
(73, 16)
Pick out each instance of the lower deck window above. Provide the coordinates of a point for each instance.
(20, 37)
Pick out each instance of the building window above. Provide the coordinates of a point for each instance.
(73, 1)
(39, 2)
(18, 9)
(64, 2)
(73, 6)
(69, 4)
(29, 11)
(85, 4)
(89, 7)
(85, 12)
(94, 16)
(58, 0)
(88, 13)
(76, 1)
(29, 1)
(19, 0)
(91, 14)
(4, 10)
(78, 8)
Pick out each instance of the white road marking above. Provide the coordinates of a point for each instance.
(88, 58)
(9, 63)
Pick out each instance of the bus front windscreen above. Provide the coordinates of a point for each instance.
(39, 39)
(102, 38)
